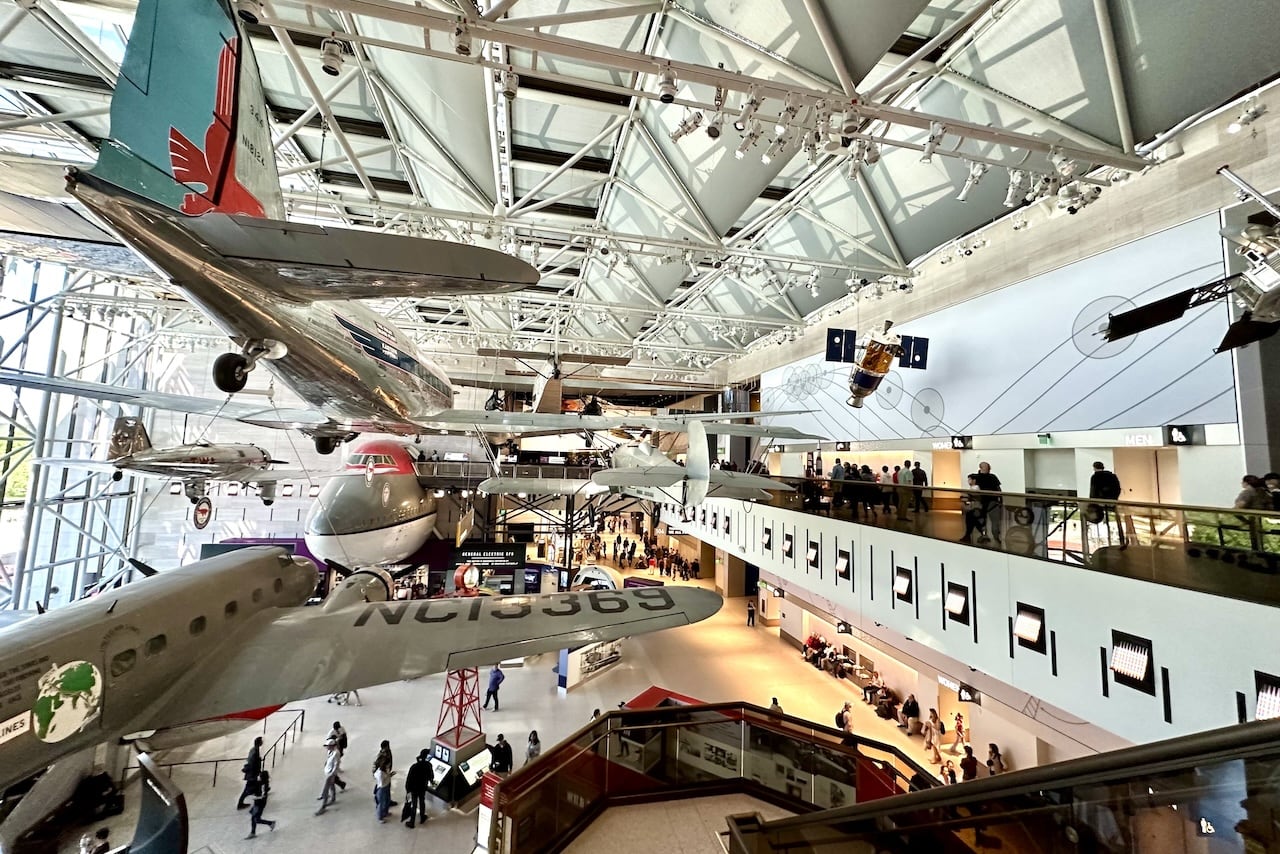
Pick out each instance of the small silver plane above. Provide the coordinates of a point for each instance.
(195, 465)
(643, 471)
(190, 653)
(188, 180)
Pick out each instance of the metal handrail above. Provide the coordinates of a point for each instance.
(1240, 741)
(279, 746)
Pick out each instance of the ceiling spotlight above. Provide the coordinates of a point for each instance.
(249, 10)
(1065, 166)
(857, 158)
(873, 153)
(811, 149)
(936, 132)
(814, 290)
(331, 56)
(748, 141)
(686, 127)
(852, 121)
(667, 85)
(1014, 192)
(749, 108)
(976, 171)
(1019, 223)
(510, 83)
(774, 149)
(791, 106)
(717, 122)
(1247, 116)
(461, 38)
(906, 285)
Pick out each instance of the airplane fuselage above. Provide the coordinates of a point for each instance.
(145, 637)
(199, 462)
(339, 356)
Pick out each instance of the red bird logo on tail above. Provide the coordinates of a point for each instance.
(214, 167)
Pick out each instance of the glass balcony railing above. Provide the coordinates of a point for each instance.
(629, 756)
(1214, 793)
(1227, 552)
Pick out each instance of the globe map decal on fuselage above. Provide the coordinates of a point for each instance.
(68, 697)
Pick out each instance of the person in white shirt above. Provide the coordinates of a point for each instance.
(332, 767)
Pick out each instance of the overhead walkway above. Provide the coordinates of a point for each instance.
(1216, 791)
(629, 757)
(1227, 552)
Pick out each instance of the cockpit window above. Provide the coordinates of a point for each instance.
(197, 626)
(156, 645)
(230, 610)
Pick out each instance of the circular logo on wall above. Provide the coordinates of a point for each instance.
(202, 512)
(68, 698)
(368, 473)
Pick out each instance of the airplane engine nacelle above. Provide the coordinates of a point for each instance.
(363, 585)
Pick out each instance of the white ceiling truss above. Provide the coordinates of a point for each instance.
(865, 119)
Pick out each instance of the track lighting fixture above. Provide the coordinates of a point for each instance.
(811, 149)
(852, 121)
(331, 56)
(249, 10)
(689, 125)
(976, 171)
(749, 108)
(713, 128)
(774, 149)
(461, 38)
(510, 83)
(1015, 192)
(936, 132)
(791, 106)
(872, 156)
(857, 158)
(1252, 109)
(667, 85)
(1063, 165)
(748, 141)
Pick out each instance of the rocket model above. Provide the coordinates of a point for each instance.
(878, 355)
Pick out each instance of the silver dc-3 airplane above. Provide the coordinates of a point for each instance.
(195, 465)
(190, 653)
(188, 180)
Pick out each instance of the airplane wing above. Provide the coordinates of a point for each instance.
(500, 421)
(71, 462)
(739, 480)
(658, 476)
(372, 643)
(251, 413)
(312, 262)
(539, 486)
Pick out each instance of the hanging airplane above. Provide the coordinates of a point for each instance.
(200, 200)
(1257, 288)
(642, 471)
(191, 652)
(195, 465)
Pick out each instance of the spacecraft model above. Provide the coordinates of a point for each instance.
(879, 351)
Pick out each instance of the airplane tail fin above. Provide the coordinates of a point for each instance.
(128, 436)
(698, 464)
(189, 124)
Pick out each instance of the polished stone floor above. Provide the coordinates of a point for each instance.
(720, 659)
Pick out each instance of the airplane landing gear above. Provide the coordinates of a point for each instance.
(231, 372)
(326, 445)
(117, 475)
(194, 490)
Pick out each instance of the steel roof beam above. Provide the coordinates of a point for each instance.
(66, 31)
(603, 13)
(818, 17)
(1115, 77)
(927, 48)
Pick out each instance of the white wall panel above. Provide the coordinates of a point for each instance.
(1081, 607)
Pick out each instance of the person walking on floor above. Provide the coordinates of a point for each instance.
(339, 735)
(381, 793)
(252, 768)
(751, 613)
(534, 750)
(260, 805)
(385, 761)
(496, 677)
(416, 782)
(995, 762)
(969, 765)
(992, 503)
(1104, 485)
(502, 758)
(332, 765)
(932, 736)
(955, 745)
(919, 480)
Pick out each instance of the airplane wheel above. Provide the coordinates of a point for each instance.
(267, 502)
(117, 476)
(230, 372)
(326, 444)
(195, 500)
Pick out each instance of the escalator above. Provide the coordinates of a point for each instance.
(1208, 793)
